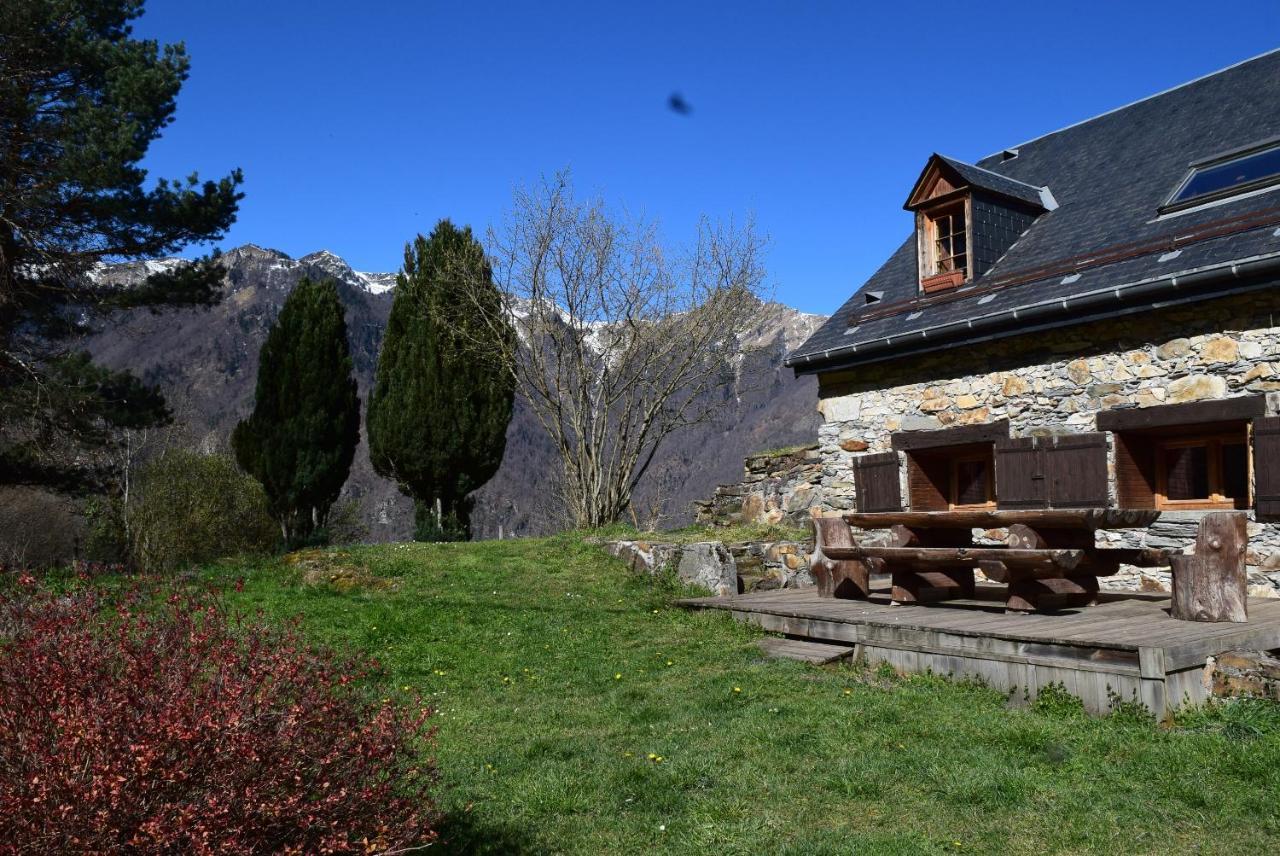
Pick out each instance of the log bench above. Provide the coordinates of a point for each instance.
(1049, 560)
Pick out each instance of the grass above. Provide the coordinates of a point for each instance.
(580, 713)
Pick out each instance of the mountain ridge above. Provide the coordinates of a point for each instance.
(205, 361)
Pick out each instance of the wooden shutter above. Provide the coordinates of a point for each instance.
(1135, 471)
(928, 481)
(876, 480)
(1076, 471)
(1020, 478)
(1266, 467)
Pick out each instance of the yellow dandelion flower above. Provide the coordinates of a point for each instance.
(617, 676)
(737, 689)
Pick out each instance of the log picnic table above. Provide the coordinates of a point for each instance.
(1049, 559)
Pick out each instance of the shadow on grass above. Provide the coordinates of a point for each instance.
(465, 834)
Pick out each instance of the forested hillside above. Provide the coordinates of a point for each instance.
(206, 362)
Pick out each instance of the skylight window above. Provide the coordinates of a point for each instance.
(1228, 175)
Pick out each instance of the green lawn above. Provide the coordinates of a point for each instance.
(580, 713)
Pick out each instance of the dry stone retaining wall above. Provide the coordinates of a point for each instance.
(777, 488)
(721, 568)
(1254, 674)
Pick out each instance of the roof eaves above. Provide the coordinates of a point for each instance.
(1191, 279)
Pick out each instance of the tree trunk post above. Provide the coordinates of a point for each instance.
(1211, 584)
(845, 578)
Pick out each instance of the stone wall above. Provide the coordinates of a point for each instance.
(777, 487)
(1249, 674)
(1058, 382)
(721, 568)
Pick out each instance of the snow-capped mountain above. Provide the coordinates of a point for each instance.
(336, 267)
(206, 362)
(321, 262)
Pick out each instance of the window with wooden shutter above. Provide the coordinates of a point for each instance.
(877, 483)
(1076, 471)
(1266, 467)
(950, 477)
(1069, 471)
(1184, 467)
(1020, 479)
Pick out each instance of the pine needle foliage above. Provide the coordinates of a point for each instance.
(441, 400)
(81, 101)
(301, 438)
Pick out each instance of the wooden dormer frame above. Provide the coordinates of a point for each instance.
(937, 183)
(938, 191)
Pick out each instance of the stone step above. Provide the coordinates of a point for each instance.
(808, 652)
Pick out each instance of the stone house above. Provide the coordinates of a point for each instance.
(1090, 318)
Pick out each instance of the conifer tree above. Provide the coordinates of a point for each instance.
(302, 435)
(81, 101)
(441, 400)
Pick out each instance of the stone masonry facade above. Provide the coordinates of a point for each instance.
(1058, 382)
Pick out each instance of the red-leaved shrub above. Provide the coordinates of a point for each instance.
(140, 723)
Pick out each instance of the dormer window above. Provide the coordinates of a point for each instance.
(946, 247)
(966, 218)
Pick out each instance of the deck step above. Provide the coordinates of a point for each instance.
(808, 652)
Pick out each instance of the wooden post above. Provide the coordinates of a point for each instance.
(1211, 584)
(845, 578)
(916, 586)
(1060, 593)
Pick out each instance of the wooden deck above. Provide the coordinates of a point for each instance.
(1126, 646)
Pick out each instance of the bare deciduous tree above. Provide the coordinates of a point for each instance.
(623, 340)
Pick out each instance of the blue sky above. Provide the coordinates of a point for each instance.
(359, 125)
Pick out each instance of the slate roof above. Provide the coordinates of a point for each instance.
(1105, 250)
(985, 179)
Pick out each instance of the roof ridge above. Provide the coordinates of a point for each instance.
(997, 174)
(1133, 103)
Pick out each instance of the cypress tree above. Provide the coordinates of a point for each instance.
(441, 400)
(302, 435)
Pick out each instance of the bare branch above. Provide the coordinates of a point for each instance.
(623, 339)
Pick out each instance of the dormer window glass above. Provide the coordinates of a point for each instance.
(1227, 175)
(946, 250)
(949, 253)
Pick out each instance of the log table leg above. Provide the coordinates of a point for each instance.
(1030, 595)
(915, 586)
(845, 578)
(1211, 584)
(912, 586)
